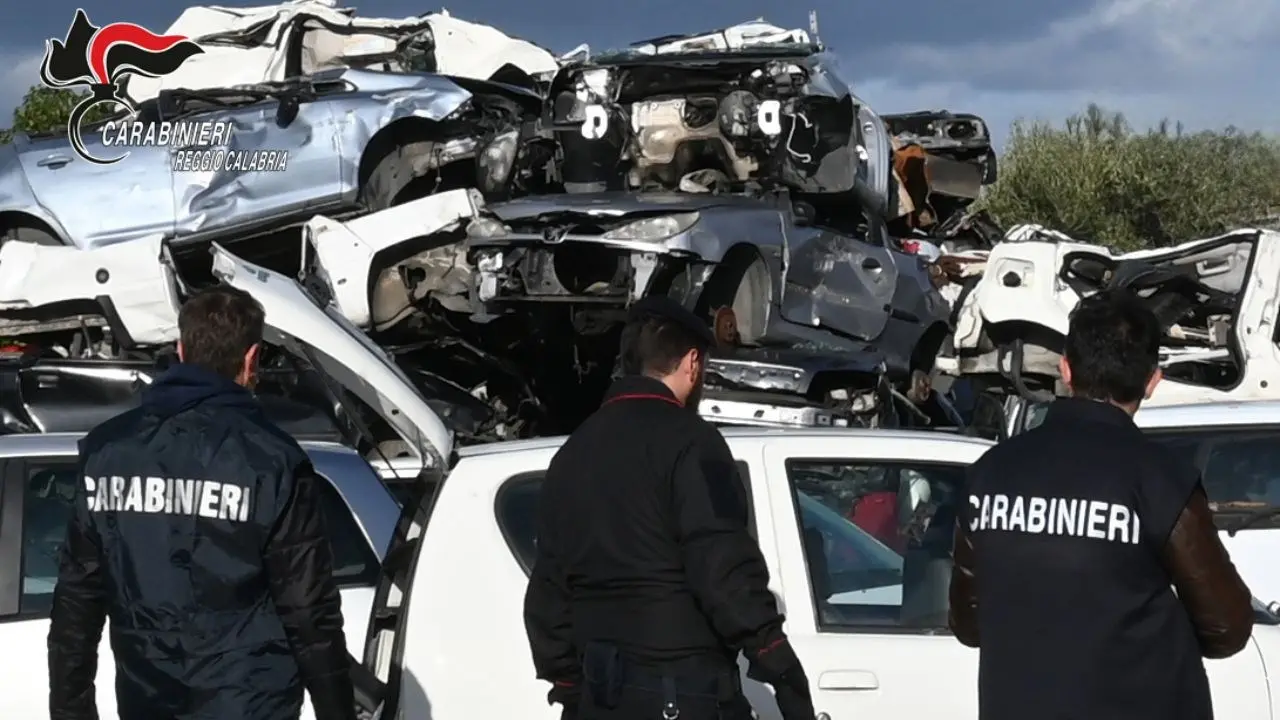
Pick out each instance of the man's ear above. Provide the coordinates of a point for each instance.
(690, 364)
(182, 353)
(1156, 377)
(1064, 368)
(251, 357)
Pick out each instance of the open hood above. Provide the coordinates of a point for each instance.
(322, 336)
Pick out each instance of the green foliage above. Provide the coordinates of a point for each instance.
(45, 109)
(1098, 180)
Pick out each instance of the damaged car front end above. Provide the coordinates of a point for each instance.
(823, 321)
(1216, 300)
(749, 104)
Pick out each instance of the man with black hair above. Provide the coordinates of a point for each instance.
(647, 582)
(198, 530)
(1087, 566)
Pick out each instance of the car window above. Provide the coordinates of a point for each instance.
(877, 541)
(517, 513)
(50, 489)
(1240, 467)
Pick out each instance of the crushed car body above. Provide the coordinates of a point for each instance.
(274, 43)
(397, 136)
(1216, 299)
(748, 103)
(799, 310)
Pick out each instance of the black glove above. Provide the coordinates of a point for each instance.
(793, 704)
(776, 663)
(567, 695)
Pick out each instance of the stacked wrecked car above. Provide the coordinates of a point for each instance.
(484, 213)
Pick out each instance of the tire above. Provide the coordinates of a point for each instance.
(30, 235)
(751, 315)
(392, 175)
(735, 284)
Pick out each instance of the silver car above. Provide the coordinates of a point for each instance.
(353, 138)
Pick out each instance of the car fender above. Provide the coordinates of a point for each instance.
(1020, 284)
(16, 195)
(345, 251)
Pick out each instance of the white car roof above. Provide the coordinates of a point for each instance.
(544, 443)
(1254, 412)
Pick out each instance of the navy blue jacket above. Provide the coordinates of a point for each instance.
(198, 530)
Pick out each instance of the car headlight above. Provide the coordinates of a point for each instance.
(654, 229)
(483, 228)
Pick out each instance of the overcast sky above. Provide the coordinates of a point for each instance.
(1209, 63)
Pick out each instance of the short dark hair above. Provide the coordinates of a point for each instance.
(1113, 347)
(653, 344)
(217, 327)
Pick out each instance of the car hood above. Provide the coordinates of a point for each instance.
(319, 334)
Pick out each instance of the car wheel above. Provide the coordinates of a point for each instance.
(751, 313)
(740, 283)
(30, 235)
(395, 172)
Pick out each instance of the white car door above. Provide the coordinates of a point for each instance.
(35, 497)
(865, 585)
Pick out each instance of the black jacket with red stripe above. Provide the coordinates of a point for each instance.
(643, 542)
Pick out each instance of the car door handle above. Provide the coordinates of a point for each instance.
(848, 680)
(54, 161)
(870, 264)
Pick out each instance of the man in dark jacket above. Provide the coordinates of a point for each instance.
(1087, 565)
(199, 533)
(647, 582)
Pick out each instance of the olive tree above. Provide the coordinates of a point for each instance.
(46, 109)
(1097, 179)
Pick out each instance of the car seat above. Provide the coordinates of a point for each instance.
(926, 567)
(876, 514)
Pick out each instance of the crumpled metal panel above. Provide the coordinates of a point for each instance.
(251, 45)
(325, 143)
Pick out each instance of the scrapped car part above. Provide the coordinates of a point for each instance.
(941, 161)
(570, 265)
(274, 43)
(1216, 300)
(397, 137)
(87, 330)
(754, 102)
(348, 250)
(125, 290)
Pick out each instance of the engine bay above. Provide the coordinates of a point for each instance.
(674, 123)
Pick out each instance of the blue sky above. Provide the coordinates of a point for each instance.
(1209, 63)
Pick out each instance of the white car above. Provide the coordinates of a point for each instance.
(1236, 446)
(37, 483)
(1217, 299)
(270, 43)
(874, 641)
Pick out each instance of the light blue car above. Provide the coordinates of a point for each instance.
(354, 140)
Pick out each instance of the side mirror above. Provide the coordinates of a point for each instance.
(803, 214)
(287, 111)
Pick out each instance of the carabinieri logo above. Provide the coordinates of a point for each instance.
(100, 59)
